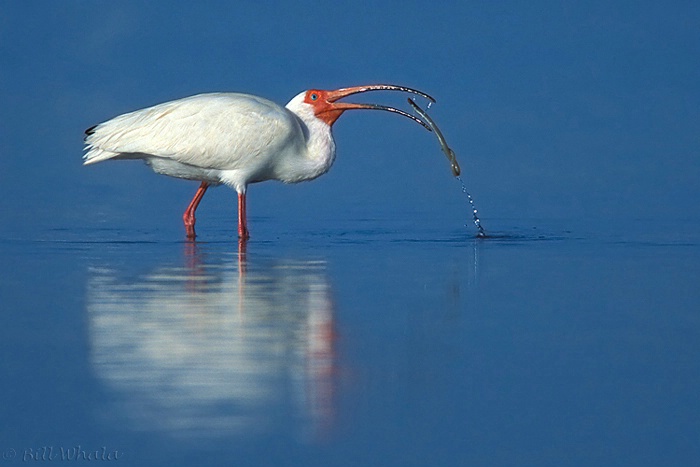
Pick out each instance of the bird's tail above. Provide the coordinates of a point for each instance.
(94, 152)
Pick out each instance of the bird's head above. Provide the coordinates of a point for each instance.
(327, 109)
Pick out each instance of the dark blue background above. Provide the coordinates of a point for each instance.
(570, 337)
(585, 110)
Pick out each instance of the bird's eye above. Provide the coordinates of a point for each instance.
(314, 96)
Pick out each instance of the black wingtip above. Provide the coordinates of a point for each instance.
(90, 130)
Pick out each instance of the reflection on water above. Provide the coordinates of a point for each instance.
(205, 348)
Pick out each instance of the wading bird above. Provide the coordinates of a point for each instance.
(232, 139)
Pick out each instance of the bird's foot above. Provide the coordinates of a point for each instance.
(189, 220)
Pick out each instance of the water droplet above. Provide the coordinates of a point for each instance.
(477, 222)
(429, 104)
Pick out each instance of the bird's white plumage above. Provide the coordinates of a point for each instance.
(228, 138)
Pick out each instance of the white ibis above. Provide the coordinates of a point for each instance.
(232, 139)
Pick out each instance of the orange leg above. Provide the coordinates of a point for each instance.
(242, 222)
(188, 216)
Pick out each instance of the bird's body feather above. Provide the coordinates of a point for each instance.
(228, 138)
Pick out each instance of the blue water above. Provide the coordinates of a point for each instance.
(362, 342)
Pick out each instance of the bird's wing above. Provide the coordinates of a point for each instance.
(216, 131)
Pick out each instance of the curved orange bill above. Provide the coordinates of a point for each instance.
(333, 96)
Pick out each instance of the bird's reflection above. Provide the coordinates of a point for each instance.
(210, 347)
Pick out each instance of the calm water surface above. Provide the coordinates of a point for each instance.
(363, 343)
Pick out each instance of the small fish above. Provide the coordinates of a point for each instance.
(445, 148)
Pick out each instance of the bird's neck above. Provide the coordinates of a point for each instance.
(320, 143)
(320, 146)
